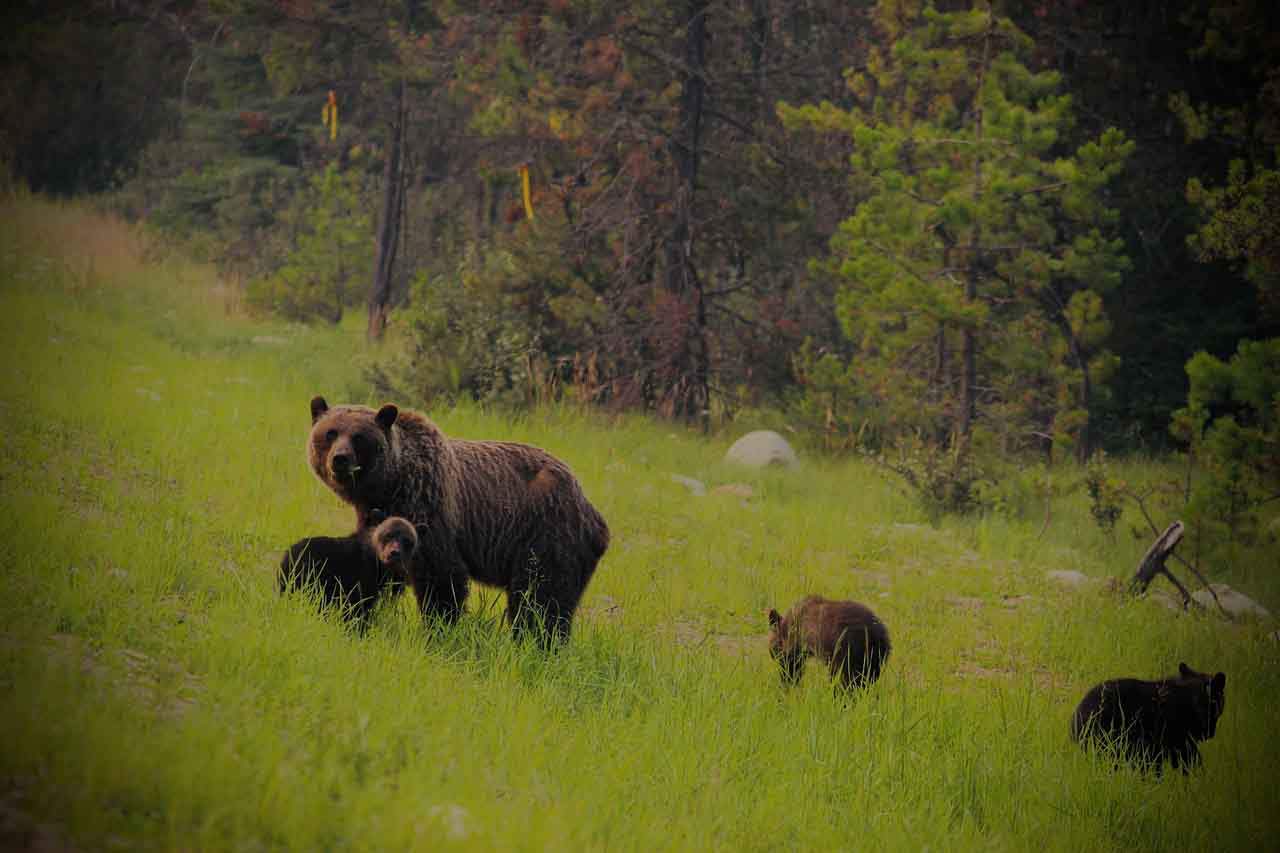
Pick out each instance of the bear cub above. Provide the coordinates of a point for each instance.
(1150, 722)
(350, 571)
(845, 635)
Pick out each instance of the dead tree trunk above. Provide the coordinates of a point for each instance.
(389, 220)
(1153, 563)
(685, 365)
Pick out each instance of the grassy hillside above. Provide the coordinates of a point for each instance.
(157, 693)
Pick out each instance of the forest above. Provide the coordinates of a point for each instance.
(949, 236)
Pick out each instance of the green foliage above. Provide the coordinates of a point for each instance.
(1106, 494)
(1241, 215)
(1243, 224)
(1231, 425)
(980, 239)
(331, 261)
(942, 480)
(494, 328)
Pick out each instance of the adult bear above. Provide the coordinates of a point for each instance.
(504, 514)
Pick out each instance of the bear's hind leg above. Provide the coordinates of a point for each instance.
(542, 598)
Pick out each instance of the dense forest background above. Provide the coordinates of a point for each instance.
(948, 235)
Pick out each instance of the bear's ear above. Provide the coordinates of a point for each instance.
(387, 416)
(1220, 683)
(774, 617)
(1185, 671)
(318, 408)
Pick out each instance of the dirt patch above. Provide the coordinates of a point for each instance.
(694, 634)
(602, 608)
(969, 669)
(163, 686)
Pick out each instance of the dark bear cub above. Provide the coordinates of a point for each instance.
(1150, 722)
(846, 635)
(351, 571)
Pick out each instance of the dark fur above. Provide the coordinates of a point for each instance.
(351, 571)
(845, 635)
(1150, 722)
(504, 514)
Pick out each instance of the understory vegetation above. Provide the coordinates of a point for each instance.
(158, 693)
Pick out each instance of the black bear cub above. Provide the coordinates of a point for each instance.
(351, 571)
(845, 635)
(1150, 722)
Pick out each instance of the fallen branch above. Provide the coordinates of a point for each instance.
(1153, 564)
(1142, 505)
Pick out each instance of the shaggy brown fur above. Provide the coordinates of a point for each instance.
(845, 635)
(504, 514)
(1150, 722)
(350, 571)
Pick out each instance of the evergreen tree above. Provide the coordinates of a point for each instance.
(972, 274)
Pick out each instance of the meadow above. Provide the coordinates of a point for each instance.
(157, 693)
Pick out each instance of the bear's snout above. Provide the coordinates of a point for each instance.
(343, 462)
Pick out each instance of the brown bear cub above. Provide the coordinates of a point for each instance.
(846, 635)
(504, 514)
(1150, 722)
(394, 542)
(350, 571)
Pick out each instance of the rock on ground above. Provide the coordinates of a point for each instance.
(695, 487)
(760, 448)
(740, 490)
(1233, 601)
(1067, 577)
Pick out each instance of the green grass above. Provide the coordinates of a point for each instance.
(157, 693)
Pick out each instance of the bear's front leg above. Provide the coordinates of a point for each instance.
(1186, 756)
(440, 581)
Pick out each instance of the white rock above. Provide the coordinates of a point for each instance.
(1067, 577)
(695, 487)
(760, 448)
(1234, 602)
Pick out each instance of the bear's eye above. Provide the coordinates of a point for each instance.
(331, 435)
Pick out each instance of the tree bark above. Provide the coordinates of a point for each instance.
(1153, 562)
(389, 218)
(687, 368)
(969, 344)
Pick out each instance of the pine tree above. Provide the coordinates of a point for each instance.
(972, 273)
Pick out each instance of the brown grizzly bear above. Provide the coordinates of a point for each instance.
(504, 514)
(1150, 722)
(350, 571)
(846, 635)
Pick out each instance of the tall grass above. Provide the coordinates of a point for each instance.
(157, 693)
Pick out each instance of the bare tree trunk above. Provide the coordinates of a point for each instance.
(1153, 563)
(389, 218)
(969, 344)
(687, 366)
